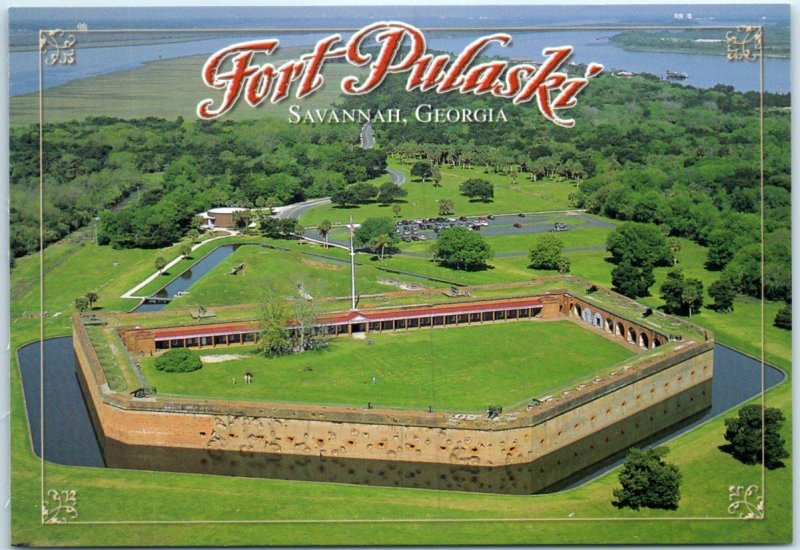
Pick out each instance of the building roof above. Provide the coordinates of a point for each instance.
(226, 210)
(366, 316)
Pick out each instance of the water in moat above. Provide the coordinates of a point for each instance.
(70, 437)
(187, 278)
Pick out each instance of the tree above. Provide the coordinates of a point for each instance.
(639, 244)
(744, 436)
(186, 250)
(81, 304)
(446, 206)
(178, 360)
(477, 188)
(647, 481)
(682, 295)
(783, 319)
(436, 176)
(323, 229)
(343, 197)
(364, 192)
(379, 243)
(194, 235)
(546, 252)
(723, 291)
(422, 170)
(371, 228)
(674, 247)
(460, 248)
(274, 337)
(280, 228)
(396, 209)
(161, 263)
(390, 192)
(692, 296)
(632, 281)
(563, 265)
(91, 298)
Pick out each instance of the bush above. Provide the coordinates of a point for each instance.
(744, 436)
(647, 481)
(178, 360)
(783, 319)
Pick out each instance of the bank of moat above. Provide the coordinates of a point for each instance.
(536, 444)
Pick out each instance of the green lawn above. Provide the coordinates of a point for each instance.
(450, 369)
(421, 202)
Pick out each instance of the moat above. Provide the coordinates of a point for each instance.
(70, 437)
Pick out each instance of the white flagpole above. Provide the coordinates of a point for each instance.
(352, 268)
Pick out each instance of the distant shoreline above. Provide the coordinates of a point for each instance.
(690, 51)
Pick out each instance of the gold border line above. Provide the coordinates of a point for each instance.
(393, 520)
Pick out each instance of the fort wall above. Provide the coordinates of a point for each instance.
(526, 450)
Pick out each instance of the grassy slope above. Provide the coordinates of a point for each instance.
(414, 369)
(284, 270)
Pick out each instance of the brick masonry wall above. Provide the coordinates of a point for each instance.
(596, 426)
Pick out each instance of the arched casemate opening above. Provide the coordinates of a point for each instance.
(609, 325)
(620, 330)
(577, 310)
(656, 342)
(598, 320)
(631, 335)
(644, 341)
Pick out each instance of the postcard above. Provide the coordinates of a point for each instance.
(400, 275)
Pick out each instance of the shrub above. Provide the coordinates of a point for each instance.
(179, 360)
(647, 481)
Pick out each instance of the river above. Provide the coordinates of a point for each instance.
(589, 45)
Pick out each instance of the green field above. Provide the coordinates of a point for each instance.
(449, 369)
(423, 197)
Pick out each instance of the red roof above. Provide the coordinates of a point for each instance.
(366, 316)
(199, 331)
(448, 309)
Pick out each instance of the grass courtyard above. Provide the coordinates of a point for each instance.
(450, 369)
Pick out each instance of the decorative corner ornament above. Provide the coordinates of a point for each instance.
(741, 504)
(59, 506)
(745, 48)
(57, 48)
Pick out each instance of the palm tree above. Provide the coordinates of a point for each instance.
(323, 229)
(91, 298)
(81, 304)
(675, 248)
(379, 243)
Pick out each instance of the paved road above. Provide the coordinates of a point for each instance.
(296, 210)
(397, 176)
(597, 248)
(367, 136)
